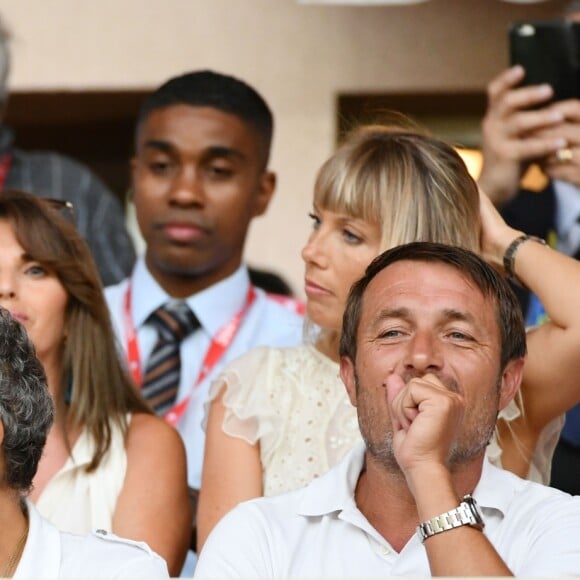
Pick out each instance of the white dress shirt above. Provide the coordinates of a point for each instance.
(319, 532)
(267, 323)
(49, 553)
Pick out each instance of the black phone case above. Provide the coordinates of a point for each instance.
(549, 51)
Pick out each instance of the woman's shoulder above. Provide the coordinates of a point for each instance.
(257, 364)
(148, 433)
(259, 383)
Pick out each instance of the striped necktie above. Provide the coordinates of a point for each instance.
(173, 321)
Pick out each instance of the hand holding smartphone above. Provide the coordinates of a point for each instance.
(549, 52)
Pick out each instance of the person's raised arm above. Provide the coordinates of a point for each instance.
(153, 505)
(509, 131)
(427, 418)
(232, 473)
(550, 385)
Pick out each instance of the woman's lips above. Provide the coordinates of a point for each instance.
(20, 316)
(313, 289)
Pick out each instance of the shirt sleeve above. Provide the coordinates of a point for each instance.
(247, 384)
(105, 555)
(238, 547)
(553, 546)
(144, 567)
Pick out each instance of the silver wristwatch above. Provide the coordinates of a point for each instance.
(467, 514)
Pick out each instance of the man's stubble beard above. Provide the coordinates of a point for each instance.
(380, 446)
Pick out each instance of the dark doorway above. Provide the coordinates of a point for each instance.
(94, 127)
(454, 117)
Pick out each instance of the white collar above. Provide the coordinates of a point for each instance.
(41, 556)
(342, 479)
(491, 492)
(214, 306)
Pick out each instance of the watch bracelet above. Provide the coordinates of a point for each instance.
(462, 515)
(510, 255)
(452, 519)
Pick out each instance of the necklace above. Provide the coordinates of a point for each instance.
(15, 556)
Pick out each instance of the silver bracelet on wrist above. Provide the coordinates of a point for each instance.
(466, 514)
(510, 255)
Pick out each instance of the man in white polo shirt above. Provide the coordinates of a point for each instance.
(30, 546)
(432, 348)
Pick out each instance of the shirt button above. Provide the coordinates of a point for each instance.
(385, 551)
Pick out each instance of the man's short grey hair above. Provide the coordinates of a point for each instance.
(26, 408)
(4, 60)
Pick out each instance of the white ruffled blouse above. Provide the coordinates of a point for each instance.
(293, 402)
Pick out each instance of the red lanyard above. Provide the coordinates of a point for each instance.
(296, 306)
(219, 344)
(5, 163)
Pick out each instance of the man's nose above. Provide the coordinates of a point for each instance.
(188, 189)
(424, 354)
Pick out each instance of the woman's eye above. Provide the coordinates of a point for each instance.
(351, 238)
(36, 271)
(315, 220)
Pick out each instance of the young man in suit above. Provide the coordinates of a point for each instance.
(200, 176)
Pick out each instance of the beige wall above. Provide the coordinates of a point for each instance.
(299, 56)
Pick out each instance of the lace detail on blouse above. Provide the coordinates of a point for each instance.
(294, 403)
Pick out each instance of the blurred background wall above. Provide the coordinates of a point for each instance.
(301, 57)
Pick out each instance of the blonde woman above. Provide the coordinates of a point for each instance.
(281, 417)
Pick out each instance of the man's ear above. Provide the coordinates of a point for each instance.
(265, 192)
(511, 379)
(347, 374)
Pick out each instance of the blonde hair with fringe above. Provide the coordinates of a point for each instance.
(416, 187)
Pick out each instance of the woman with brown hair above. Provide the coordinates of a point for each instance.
(108, 463)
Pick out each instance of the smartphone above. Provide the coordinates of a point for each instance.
(549, 51)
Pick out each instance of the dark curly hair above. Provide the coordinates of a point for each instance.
(26, 408)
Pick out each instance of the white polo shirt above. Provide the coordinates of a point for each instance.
(267, 323)
(318, 531)
(49, 553)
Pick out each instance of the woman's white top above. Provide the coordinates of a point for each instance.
(293, 402)
(78, 502)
